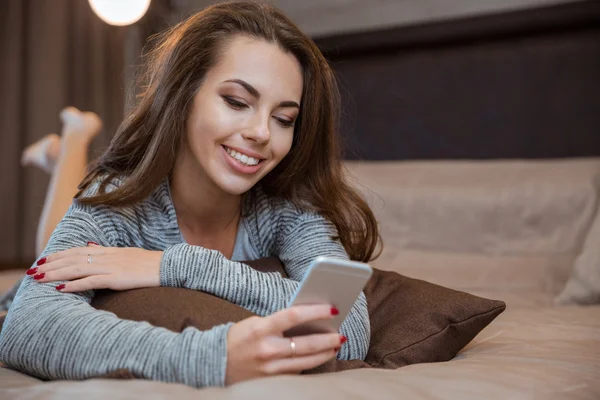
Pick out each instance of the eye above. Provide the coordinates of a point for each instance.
(234, 103)
(284, 122)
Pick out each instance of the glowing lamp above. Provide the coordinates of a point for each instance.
(120, 12)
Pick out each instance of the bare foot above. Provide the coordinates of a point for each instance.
(79, 128)
(85, 125)
(43, 153)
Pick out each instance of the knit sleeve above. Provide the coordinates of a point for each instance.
(209, 271)
(55, 335)
(316, 236)
(302, 238)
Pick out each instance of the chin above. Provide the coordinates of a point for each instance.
(234, 187)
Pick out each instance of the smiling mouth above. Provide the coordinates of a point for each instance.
(242, 158)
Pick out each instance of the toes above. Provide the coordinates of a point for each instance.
(25, 158)
(87, 124)
(41, 153)
(69, 113)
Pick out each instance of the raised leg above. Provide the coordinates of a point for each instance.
(67, 165)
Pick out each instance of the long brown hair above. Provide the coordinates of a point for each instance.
(146, 144)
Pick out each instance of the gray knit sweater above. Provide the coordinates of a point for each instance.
(56, 335)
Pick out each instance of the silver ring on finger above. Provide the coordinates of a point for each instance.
(89, 259)
(293, 347)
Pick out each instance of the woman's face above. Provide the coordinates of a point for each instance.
(242, 120)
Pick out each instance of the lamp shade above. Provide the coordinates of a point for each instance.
(120, 12)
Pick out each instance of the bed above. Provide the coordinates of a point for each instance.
(485, 178)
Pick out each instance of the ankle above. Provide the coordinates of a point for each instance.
(75, 140)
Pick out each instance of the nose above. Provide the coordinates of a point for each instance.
(258, 131)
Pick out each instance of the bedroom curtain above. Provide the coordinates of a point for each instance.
(54, 53)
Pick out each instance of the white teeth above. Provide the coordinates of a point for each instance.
(242, 157)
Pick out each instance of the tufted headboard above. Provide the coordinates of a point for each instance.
(521, 84)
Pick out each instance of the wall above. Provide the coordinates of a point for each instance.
(339, 16)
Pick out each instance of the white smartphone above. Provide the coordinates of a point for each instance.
(329, 281)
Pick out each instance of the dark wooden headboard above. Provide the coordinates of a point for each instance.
(523, 84)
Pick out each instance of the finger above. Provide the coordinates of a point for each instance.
(61, 254)
(69, 273)
(310, 344)
(274, 347)
(81, 285)
(56, 264)
(290, 317)
(91, 248)
(277, 347)
(298, 364)
(87, 259)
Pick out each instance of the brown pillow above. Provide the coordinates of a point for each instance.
(178, 308)
(412, 321)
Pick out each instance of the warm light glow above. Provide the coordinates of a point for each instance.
(120, 12)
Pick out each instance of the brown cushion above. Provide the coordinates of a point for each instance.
(177, 308)
(412, 321)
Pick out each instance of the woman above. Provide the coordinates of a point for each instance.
(232, 154)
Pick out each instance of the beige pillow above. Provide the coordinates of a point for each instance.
(583, 287)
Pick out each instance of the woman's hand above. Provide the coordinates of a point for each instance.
(97, 267)
(256, 346)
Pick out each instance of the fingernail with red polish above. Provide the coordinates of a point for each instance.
(334, 311)
(39, 276)
(60, 287)
(94, 243)
(41, 261)
(31, 271)
(336, 349)
(343, 339)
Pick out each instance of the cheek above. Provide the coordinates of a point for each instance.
(210, 123)
(282, 145)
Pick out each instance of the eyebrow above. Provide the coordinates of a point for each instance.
(254, 93)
